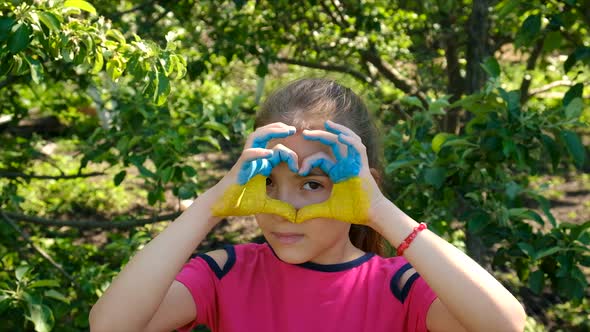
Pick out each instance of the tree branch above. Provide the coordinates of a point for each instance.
(15, 175)
(392, 74)
(136, 8)
(336, 68)
(530, 65)
(41, 252)
(103, 224)
(550, 86)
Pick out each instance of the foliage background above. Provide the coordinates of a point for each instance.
(114, 112)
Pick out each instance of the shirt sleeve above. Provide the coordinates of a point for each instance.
(202, 282)
(419, 299)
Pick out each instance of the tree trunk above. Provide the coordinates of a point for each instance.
(477, 45)
(477, 51)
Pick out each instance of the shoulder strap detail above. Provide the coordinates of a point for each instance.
(231, 260)
(401, 294)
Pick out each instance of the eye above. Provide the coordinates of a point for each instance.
(312, 185)
(268, 182)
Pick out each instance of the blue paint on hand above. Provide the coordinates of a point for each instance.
(264, 166)
(345, 167)
(262, 141)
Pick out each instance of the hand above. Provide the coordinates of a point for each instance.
(355, 193)
(244, 187)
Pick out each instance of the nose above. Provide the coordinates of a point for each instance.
(287, 195)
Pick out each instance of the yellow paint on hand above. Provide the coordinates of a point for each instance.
(348, 202)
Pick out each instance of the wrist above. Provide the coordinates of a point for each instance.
(391, 222)
(202, 207)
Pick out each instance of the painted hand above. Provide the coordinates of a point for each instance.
(350, 200)
(249, 195)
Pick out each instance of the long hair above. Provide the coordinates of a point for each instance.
(308, 101)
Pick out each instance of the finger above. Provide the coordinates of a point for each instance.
(320, 160)
(338, 129)
(252, 168)
(262, 135)
(327, 138)
(253, 162)
(354, 146)
(271, 133)
(282, 153)
(255, 153)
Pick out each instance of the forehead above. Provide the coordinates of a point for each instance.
(302, 147)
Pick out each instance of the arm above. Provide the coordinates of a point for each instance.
(467, 294)
(144, 294)
(136, 293)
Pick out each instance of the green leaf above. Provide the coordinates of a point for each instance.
(435, 176)
(528, 31)
(80, 4)
(512, 98)
(526, 248)
(400, 164)
(552, 149)
(218, 127)
(166, 174)
(491, 66)
(436, 107)
(574, 109)
(507, 7)
(552, 41)
(574, 147)
(544, 203)
(546, 252)
(42, 317)
(513, 189)
(115, 68)
(537, 281)
(573, 93)
(211, 140)
(52, 293)
(185, 191)
(19, 38)
(36, 69)
(518, 213)
(6, 24)
(98, 62)
(534, 216)
(413, 101)
(161, 93)
(478, 221)
(189, 171)
(439, 139)
(119, 177)
(50, 21)
(117, 36)
(21, 271)
(44, 283)
(579, 54)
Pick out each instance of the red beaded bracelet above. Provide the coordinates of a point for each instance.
(406, 243)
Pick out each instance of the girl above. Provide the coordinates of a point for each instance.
(321, 268)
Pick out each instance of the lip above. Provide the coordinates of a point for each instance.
(288, 238)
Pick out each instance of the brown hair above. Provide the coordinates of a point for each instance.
(308, 101)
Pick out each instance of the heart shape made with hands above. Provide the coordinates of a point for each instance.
(348, 201)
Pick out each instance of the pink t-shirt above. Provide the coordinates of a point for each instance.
(256, 291)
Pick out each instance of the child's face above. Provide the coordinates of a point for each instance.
(320, 240)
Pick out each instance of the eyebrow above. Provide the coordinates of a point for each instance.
(316, 172)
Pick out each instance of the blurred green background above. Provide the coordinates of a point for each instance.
(114, 114)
